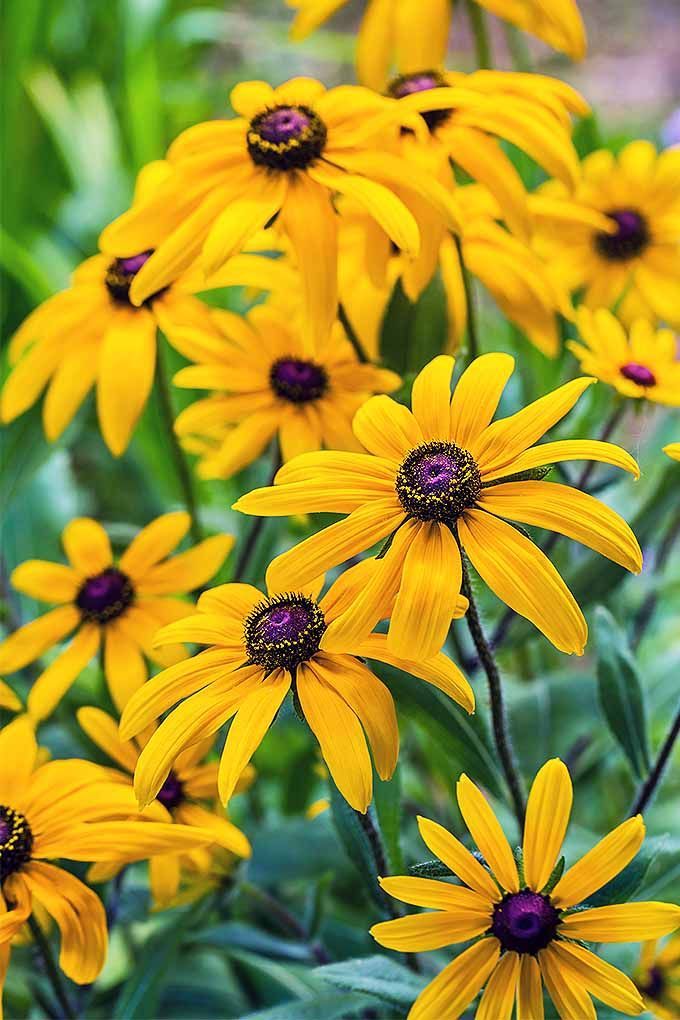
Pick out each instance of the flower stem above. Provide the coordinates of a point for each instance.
(498, 714)
(181, 465)
(356, 343)
(472, 335)
(648, 788)
(286, 921)
(646, 610)
(256, 527)
(517, 45)
(480, 31)
(51, 969)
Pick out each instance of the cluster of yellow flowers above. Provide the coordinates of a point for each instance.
(320, 201)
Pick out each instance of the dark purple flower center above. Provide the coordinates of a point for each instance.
(122, 272)
(284, 631)
(639, 374)
(297, 380)
(655, 984)
(630, 238)
(421, 81)
(105, 596)
(437, 481)
(16, 841)
(286, 137)
(171, 792)
(525, 922)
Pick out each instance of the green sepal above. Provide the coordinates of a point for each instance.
(519, 860)
(430, 869)
(537, 474)
(555, 876)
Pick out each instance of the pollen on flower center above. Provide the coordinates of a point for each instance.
(16, 841)
(284, 631)
(421, 81)
(437, 481)
(286, 137)
(121, 273)
(630, 238)
(639, 374)
(524, 922)
(103, 597)
(298, 381)
(171, 793)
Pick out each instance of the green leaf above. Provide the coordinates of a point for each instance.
(329, 1005)
(237, 935)
(620, 692)
(292, 849)
(375, 975)
(387, 800)
(141, 993)
(430, 869)
(355, 840)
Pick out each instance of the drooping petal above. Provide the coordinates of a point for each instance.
(547, 818)
(225, 832)
(487, 833)
(440, 671)
(568, 449)
(102, 730)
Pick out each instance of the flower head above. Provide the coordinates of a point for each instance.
(266, 384)
(528, 925)
(617, 235)
(440, 479)
(118, 604)
(657, 977)
(35, 799)
(642, 363)
(260, 647)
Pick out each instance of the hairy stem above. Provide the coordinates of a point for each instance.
(258, 523)
(472, 334)
(649, 786)
(356, 343)
(480, 31)
(52, 971)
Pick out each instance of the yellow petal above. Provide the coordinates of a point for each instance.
(454, 989)
(18, 751)
(52, 685)
(30, 641)
(45, 581)
(154, 543)
(477, 394)
(487, 833)
(421, 932)
(570, 997)
(87, 546)
(428, 892)
(529, 990)
(547, 818)
(249, 98)
(606, 859)
(622, 922)
(70, 384)
(605, 982)
(459, 859)
(242, 218)
(431, 398)
(124, 665)
(440, 671)
(225, 832)
(127, 363)
(103, 731)
(188, 570)
(568, 449)
(386, 428)
(498, 997)
(8, 698)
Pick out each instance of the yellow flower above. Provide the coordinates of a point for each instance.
(618, 235)
(658, 978)
(531, 930)
(182, 798)
(412, 34)
(268, 385)
(90, 335)
(286, 156)
(261, 646)
(640, 364)
(8, 698)
(438, 476)
(672, 450)
(119, 604)
(64, 809)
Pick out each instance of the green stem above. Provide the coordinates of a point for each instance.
(498, 714)
(472, 334)
(51, 969)
(250, 544)
(480, 31)
(648, 788)
(356, 343)
(517, 45)
(181, 465)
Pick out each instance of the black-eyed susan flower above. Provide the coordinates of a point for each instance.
(66, 809)
(266, 384)
(672, 450)
(632, 254)
(8, 698)
(117, 604)
(440, 478)
(657, 977)
(187, 796)
(90, 335)
(261, 647)
(528, 930)
(641, 363)
(286, 156)
(413, 34)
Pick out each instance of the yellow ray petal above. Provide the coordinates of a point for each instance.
(440, 671)
(428, 892)
(605, 982)
(103, 731)
(127, 363)
(18, 750)
(570, 997)
(188, 570)
(48, 582)
(421, 932)
(225, 832)
(52, 685)
(622, 922)
(386, 428)
(459, 859)
(87, 546)
(547, 818)
(431, 398)
(498, 997)
(154, 543)
(34, 638)
(606, 859)
(487, 833)
(124, 665)
(242, 218)
(529, 990)
(456, 986)
(568, 449)
(477, 394)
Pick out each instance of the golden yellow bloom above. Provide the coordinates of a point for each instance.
(8, 698)
(184, 798)
(261, 646)
(413, 34)
(641, 364)
(618, 235)
(119, 604)
(287, 154)
(267, 385)
(672, 450)
(530, 927)
(64, 809)
(442, 478)
(90, 335)
(657, 976)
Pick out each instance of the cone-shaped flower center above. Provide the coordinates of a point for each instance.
(437, 481)
(298, 381)
(639, 374)
(284, 631)
(655, 984)
(171, 792)
(421, 81)
(286, 138)
(630, 238)
(16, 841)
(524, 922)
(105, 596)
(121, 273)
